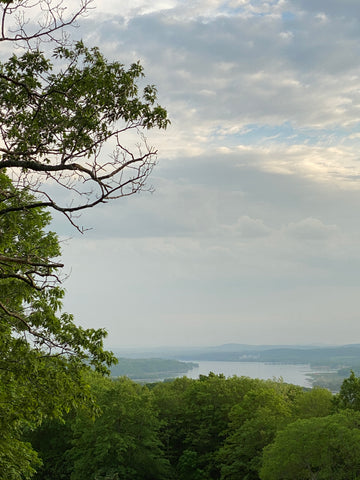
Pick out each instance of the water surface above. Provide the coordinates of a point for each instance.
(295, 374)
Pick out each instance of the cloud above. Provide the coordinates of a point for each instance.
(310, 229)
(236, 70)
(333, 8)
(253, 225)
(246, 228)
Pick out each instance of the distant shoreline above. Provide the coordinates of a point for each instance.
(328, 365)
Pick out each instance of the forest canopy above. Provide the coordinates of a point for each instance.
(205, 429)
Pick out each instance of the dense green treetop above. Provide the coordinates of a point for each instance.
(253, 423)
(124, 440)
(317, 402)
(349, 395)
(320, 448)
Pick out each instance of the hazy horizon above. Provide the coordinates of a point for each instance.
(204, 346)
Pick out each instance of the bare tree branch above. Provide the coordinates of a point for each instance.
(29, 21)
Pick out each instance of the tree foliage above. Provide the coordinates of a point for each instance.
(349, 395)
(57, 118)
(124, 440)
(320, 448)
(72, 136)
(317, 402)
(195, 417)
(61, 106)
(212, 428)
(43, 353)
(253, 425)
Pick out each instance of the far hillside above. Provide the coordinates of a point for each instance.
(324, 356)
(143, 369)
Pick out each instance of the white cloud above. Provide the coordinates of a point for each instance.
(235, 70)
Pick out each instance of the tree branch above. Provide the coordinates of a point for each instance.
(27, 261)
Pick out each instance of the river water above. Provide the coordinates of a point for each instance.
(295, 374)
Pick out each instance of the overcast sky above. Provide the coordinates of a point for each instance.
(253, 232)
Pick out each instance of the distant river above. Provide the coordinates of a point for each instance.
(295, 374)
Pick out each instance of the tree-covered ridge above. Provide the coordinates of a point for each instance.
(210, 428)
(330, 356)
(149, 368)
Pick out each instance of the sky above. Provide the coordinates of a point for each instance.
(252, 234)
